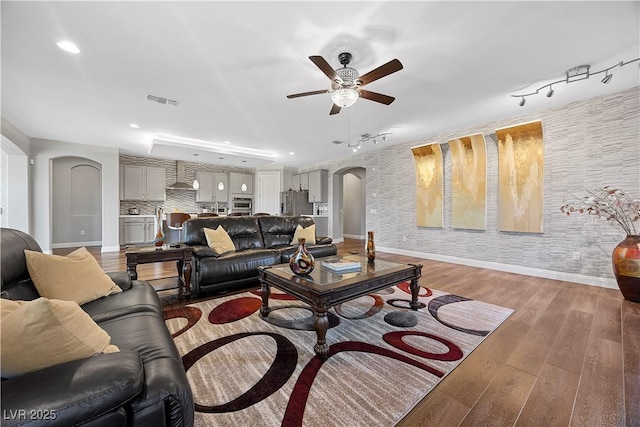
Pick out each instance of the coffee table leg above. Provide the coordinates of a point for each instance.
(131, 269)
(321, 324)
(265, 291)
(415, 288)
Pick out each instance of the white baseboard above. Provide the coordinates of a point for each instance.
(110, 249)
(509, 268)
(354, 236)
(75, 244)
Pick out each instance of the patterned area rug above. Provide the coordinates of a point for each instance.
(383, 359)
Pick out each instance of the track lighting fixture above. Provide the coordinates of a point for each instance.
(581, 72)
(367, 137)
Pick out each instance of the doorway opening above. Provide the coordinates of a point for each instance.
(350, 203)
(14, 191)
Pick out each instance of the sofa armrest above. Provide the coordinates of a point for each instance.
(121, 278)
(72, 392)
(203, 252)
(322, 240)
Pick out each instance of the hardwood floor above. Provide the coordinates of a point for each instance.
(568, 356)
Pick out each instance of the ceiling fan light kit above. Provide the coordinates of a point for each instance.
(575, 74)
(344, 97)
(346, 82)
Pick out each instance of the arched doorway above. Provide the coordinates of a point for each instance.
(349, 203)
(76, 202)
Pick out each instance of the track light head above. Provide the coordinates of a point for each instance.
(375, 141)
(384, 137)
(521, 103)
(550, 93)
(606, 79)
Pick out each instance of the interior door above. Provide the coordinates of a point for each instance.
(268, 194)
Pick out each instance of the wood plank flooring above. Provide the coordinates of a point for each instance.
(568, 356)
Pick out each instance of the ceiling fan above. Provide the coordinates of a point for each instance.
(346, 82)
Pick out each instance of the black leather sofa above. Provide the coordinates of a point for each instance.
(259, 240)
(142, 385)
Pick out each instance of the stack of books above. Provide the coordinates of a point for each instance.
(342, 265)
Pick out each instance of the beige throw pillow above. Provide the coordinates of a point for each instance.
(41, 333)
(219, 240)
(77, 277)
(308, 233)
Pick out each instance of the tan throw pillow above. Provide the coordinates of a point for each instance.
(308, 233)
(77, 277)
(219, 240)
(41, 333)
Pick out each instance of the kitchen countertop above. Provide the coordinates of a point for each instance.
(193, 215)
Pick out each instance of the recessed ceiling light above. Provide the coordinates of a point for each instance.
(292, 153)
(133, 125)
(227, 142)
(67, 46)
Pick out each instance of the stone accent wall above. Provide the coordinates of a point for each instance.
(588, 144)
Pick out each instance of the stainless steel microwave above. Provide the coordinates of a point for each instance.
(238, 204)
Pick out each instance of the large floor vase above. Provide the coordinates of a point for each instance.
(626, 267)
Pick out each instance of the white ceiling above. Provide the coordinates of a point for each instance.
(230, 66)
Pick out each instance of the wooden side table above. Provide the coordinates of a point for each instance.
(148, 254)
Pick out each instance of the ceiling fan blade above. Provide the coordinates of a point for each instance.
(315, 92)
(334, 110)
(377, 97)
(383, 70)
(324, 66)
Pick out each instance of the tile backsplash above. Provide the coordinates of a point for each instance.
(175, 199)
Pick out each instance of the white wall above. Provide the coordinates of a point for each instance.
(15, 184)
(43, 151)
(15, 135)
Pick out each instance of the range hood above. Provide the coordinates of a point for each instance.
(180, 183)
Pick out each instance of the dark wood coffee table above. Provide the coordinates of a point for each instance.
(323, 288)
(146, 254)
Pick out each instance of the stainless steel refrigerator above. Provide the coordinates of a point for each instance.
(294, 203)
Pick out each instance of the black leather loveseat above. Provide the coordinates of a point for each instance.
(144, 384)
(258, 240)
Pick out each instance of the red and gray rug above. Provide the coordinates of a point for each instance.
(383, 359)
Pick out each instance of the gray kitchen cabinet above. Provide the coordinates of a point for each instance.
(146, 183)
(205, 191)
(138, 230)
(300, 182)
(318, 185)
(214, 187)
(241, 183)
(295, 182)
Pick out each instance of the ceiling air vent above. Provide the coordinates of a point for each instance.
(161, 100)
(335, 141)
